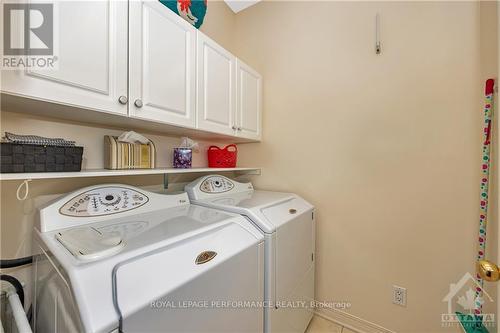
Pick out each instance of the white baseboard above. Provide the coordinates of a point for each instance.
(350, 321)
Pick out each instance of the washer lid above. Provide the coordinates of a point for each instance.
(88, 243)
(169, 268)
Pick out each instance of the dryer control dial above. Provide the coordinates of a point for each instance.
(103, 201)
(216, 184)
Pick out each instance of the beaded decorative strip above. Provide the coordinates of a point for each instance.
(485, 179)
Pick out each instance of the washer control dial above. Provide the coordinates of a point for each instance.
(104, 201)
(110, 200)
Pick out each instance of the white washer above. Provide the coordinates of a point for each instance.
(287, 222)
(117, 258)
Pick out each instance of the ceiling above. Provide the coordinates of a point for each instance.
(239, 5)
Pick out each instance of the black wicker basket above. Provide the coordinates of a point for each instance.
(34, 158)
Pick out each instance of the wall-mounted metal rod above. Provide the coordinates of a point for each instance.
(378, 45)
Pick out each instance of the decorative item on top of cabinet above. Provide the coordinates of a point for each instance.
(192, 11)
(90, 51)
(162, 65)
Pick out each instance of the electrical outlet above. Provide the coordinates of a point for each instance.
(399, 295)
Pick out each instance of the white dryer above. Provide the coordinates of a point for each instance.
(114, 258)
(287, 222)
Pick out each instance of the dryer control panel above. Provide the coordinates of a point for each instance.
(216, 184)
(103, 201)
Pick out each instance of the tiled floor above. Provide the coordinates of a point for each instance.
(320, 325)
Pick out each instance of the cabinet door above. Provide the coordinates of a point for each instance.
(162, 65)
(216, 87)
(249, 102)
(90, 42)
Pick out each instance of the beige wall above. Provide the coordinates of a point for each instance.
(387, 147)
(219, 24)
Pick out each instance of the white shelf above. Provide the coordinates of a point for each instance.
(108, 173)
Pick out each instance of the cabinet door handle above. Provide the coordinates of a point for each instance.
(234, 128)
(138, 103)
(239, 128)
(123, 99)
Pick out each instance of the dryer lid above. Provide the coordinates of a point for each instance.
(222, 191)
(268, 210)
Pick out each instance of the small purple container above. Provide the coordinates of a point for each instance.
(183, 158)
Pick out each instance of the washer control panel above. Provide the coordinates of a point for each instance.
(103, 201)
(216, 184)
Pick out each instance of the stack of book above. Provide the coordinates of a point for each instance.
(123, 155)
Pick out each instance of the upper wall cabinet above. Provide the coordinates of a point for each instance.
(91, 49)
(248, 101)
(145, 67)
(216, 87)
(229, 92)
(162, 65)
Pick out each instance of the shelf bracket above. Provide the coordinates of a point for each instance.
(165, 181)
